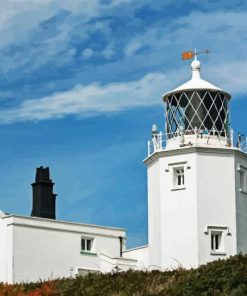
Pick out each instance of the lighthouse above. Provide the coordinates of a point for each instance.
(197, 201)
(197, 179)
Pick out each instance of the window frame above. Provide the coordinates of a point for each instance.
(216, 240)
(223, 231)
(83, 271)
(242, 178)
(178, 177)
(86, 240)
(217, 229)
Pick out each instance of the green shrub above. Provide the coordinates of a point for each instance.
(222, 277)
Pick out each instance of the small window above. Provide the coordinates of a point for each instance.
(243, 180)
(86, 244)
(215, 241)
(178, 177)
(84, 271)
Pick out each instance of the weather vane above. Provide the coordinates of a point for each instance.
(187, 55)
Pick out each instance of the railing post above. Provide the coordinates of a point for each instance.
(232, 133)
(182, 140)
(149, 150)
(196, 131)
(154, 143)
(160, 140)
(213, 131)
(239, 141)
(196, 134)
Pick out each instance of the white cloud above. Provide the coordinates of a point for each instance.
(90, 100)
(19, 17)
(108, 51)
(71, 52)
(219, 30)
(95, 99)
(231, 76)
(21, 26)
(87, 53)
(133, 46)
(224, 33)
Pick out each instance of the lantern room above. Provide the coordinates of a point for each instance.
(197, 106)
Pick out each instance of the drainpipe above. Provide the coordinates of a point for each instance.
(121, 245)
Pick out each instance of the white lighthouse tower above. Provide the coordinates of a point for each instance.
(197, 179)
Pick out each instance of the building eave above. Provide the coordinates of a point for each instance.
(58, 225)
(136, 248)
(197, 149)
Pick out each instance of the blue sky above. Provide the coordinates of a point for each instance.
(81, 84)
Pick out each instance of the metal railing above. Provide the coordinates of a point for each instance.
(159, 140)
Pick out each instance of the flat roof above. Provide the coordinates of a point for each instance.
(53, 221)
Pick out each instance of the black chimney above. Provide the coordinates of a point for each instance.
(44, 200)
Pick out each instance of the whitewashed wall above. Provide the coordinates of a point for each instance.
(172, 214)
(216, 201)
(241, 206)
(180, 220)
(6, 251)
(45, 248)
(154, 226)
(2, 250)
(109, 264)
(141, 254)
(179, 213)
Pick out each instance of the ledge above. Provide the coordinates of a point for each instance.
(207, 228)
(218, 253)
(194, 149)
(88, 253)
(178, 188)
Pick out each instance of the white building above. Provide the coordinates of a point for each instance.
(34, 248)
(197, 201)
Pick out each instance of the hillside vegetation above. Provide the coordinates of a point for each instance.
(223, 277)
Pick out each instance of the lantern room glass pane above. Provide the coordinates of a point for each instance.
(203, 110)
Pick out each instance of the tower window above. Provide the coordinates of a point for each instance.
(215, 241)
(178, 177)
(243, 179)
